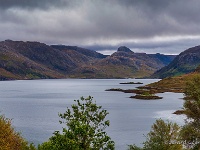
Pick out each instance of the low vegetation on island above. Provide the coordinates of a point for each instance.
(140, 93)
(146, 96)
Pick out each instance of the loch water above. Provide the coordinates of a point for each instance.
(33, 106)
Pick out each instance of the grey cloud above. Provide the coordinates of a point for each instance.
(154, 5)
(169, 47)
(98, 22)
(139, 19)
(5, 4)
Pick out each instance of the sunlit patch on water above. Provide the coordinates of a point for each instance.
(168, 115)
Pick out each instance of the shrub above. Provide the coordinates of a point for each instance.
(163, 136)
(85, 128)
(9, 138)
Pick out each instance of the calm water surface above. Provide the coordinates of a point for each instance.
(34, 106)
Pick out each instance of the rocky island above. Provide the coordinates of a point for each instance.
(139, 93)
(146, 97)
(132, 83)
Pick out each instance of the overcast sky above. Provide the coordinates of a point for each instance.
(151, 26)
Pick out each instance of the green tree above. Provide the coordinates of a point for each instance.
(190, 132)
(134, 147)
(85, 128)
(163, 136)
(10, 139)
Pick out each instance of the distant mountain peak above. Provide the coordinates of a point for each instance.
(124, 49)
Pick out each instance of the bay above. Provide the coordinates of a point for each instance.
(34, 105)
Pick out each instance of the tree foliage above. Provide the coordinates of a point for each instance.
(134, 147)
(163, 136)
(190, 132)
(85, 128)
(9, 138)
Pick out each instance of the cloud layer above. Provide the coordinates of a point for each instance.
(143, 25)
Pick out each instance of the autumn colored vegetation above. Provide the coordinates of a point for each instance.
(9, 138)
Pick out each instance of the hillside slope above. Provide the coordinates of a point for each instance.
(14, 65)
(32, 60)
(185, 62)
(172, 84)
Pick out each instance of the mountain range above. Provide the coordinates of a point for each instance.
(35, 60)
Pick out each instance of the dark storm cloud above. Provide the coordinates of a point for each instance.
(103, 24)
(6, 4)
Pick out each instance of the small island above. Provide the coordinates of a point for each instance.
(146, 97)
(170, 84)
(132, 83)
(179, 112)
(140, 93)
(115, 89)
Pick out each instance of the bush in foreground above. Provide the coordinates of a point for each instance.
(163, 136)
(85, 129)
(9, 138)
(190, 132)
